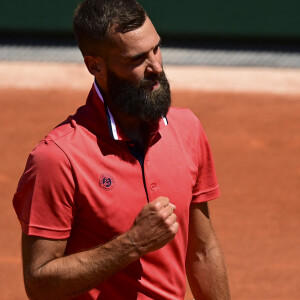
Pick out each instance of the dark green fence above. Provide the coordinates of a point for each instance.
(231, 18)
(37, 16)
(274, 19)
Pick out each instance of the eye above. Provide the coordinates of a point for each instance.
(138, 59)
(156, 48)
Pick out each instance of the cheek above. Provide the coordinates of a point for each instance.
(134, 75)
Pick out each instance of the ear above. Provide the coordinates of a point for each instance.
(95, 65)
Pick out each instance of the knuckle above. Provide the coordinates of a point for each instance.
(175, 217)
(157, 206)
(172, 232)
(164, 215)
(174, 228)
(163, 200)
(171, 210)
(166, 199)
(168, 222)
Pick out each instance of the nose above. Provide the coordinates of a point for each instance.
(154, 63)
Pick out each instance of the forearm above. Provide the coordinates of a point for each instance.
(48, 274)
(206, 273)
(68, 276)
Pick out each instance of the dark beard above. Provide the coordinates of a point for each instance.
(139, 101)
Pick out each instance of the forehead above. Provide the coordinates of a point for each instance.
(142, 39)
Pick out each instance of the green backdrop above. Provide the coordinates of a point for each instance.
(189, 18)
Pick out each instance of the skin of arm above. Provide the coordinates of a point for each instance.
(205, 264)
(48, 274)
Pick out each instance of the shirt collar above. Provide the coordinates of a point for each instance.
(115, 131)
(110, 119)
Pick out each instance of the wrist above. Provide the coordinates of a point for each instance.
(136, 251)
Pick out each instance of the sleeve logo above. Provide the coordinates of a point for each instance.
(107, 182)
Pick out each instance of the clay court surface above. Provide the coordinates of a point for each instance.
(252, 119)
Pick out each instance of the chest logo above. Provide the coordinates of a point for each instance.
(107, 182)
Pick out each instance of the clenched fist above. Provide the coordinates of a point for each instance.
(154, 226)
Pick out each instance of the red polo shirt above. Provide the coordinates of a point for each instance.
(81, 182)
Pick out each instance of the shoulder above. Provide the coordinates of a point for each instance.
(181, 113)
(184, 120)
(61, 131)
(48, 152)
(51, 148)
(47, 159)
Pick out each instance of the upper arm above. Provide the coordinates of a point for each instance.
(206, 187)
(45, 198)
(201, 234)
(37, 252)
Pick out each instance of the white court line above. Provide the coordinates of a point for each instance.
(37, 75)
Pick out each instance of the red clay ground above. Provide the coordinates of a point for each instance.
(256, 145)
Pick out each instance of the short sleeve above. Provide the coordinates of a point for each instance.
(206, 187)
(44, 200)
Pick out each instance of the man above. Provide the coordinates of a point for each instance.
(113, 202)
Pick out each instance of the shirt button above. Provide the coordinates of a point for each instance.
(152, 186)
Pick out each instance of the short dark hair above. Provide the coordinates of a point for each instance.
(93, 19)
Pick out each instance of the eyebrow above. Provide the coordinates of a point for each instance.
(140, 55)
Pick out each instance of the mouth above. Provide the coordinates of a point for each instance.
(154, 86)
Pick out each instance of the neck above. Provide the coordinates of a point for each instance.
(133, 128)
